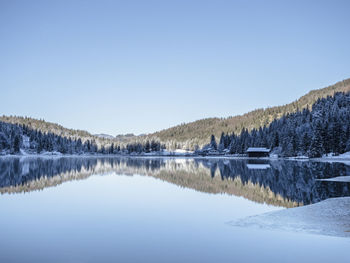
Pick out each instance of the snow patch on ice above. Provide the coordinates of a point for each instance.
(344, 155)
(334, 156)
(330, 217)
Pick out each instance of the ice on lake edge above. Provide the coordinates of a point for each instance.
(330, 217)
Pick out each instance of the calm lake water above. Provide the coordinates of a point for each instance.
(160, 210)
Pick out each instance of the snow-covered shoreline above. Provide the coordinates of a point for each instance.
(341, 159)
(330, 217)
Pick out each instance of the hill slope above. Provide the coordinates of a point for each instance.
(198, 132)
(54, 128)
(187, 136)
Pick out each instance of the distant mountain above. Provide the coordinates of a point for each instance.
(188, 135)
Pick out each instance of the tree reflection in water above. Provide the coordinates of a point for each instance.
(278, 182)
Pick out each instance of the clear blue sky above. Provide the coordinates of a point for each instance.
(141, 66)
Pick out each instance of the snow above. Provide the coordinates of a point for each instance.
(301, 157)
(25, 141)
(337, 179)
(330, 217)
(333, 156)
(23, 152)
(177, 152)
(51, 153)
(183, 151)
(343, 156)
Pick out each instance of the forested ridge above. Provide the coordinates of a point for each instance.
(189, 135)
(315, 124)
(309, 132)
(15, 138)
(53, 128)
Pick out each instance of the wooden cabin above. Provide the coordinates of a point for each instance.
(258, 152)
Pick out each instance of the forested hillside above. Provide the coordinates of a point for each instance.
(20, 138)
(323, 129)
(187, 136)
(54, 128)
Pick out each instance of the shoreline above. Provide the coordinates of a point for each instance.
(227, 157)
(329, 217)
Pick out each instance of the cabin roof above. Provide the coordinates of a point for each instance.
(258, 149)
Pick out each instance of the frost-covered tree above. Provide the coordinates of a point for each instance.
(213, 144)
(221, 145)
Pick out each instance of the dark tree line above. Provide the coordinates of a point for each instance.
(147, 147)
(14, 137)
(323, 129)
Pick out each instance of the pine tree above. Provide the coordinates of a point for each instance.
(316, 148)
(221, 146)
(276, 141)
(305, 143)
(147, 147)
(213, 144)
(16, 144)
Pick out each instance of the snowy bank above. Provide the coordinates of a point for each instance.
(345, 179)
(330, 217)
(332, 158)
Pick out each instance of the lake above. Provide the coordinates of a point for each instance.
(134, 209)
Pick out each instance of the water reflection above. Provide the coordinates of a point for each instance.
(282, 183)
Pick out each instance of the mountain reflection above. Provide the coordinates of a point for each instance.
(279, 182)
